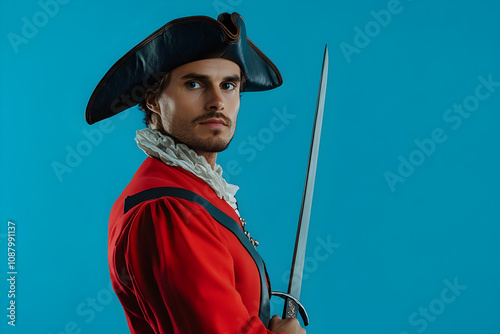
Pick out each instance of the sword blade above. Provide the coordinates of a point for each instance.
(299, 253)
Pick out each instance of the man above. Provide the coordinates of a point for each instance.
(180, 260)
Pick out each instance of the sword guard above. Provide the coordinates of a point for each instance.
(292, 301)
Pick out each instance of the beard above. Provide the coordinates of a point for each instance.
(216, 141)
(214, 144)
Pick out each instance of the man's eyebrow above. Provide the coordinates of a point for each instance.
(204, 77)
(235, 78)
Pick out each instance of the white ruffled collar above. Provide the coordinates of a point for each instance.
(163, 147)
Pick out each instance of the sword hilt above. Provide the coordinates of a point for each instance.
(292, 307)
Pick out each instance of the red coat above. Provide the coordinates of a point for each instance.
(174, 268)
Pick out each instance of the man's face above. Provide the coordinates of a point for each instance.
(200, 103)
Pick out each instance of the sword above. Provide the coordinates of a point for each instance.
(292, 304)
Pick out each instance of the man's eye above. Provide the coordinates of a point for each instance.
(228, 86)
(192, 84)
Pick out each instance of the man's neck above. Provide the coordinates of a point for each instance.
(211, 157)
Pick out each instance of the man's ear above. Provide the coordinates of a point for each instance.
(152, 103)
(155, 116)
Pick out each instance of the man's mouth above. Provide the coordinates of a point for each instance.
(215, 123)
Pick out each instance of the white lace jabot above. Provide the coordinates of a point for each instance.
(163, 147)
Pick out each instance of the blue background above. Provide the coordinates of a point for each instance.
(393, 247)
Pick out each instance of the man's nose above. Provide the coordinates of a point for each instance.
(215, 101)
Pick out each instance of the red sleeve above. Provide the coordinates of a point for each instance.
(182, 271)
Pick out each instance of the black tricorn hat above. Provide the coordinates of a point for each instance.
(179, 42)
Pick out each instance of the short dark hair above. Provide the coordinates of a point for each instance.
(155, 90)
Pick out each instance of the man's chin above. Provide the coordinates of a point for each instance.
(211, 145)
(212, 142)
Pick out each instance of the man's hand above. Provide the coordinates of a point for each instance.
(289, 326)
